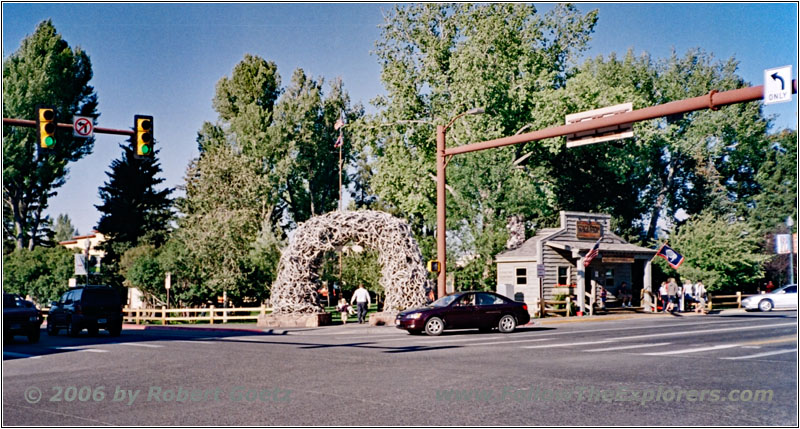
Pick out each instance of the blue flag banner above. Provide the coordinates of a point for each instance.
(674, 259)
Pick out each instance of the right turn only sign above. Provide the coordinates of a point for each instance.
(778, 85)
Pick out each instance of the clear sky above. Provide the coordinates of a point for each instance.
(165, 59)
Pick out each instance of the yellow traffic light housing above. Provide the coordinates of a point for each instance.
(143, 137)
(434, 266)
(46, 127)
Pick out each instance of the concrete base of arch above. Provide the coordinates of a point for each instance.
(386, 318)
(294, 320)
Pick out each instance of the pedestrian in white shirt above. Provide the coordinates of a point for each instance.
(361, 297)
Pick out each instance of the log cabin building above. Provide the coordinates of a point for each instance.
(562, 253)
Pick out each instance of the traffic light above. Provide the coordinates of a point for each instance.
(143, 137)
(46, 127)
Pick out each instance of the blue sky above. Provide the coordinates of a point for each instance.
(165, 59)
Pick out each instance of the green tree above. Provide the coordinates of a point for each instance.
(43, 273)
(227, 201)
(776, 179)
(63, 228)
(438, 60)
(133, 210)
(722, 253)
(44, 70)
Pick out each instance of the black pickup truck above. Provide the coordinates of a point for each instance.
(20, 317)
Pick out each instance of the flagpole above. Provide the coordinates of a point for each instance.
(341, 144)
(659, 250)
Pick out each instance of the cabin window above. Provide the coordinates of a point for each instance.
(563, 276)
(522, 276)
(609, 278)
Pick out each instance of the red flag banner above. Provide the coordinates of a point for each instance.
(339, 141)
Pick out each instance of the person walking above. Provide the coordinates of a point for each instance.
(344, 309)
(700, 297)
(688, 295)
(664, 297)
(672, 292)
(361, 297)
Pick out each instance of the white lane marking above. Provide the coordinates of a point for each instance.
(758, 355)
(191, 341)
(20, 355)
(152, 346)
(634, 346)
(694, 350)
(508, 342)
(80, 349)
(585, 343)
(705, 331)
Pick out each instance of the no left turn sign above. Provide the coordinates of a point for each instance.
(82, 126)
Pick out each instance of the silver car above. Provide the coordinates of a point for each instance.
(785, 297)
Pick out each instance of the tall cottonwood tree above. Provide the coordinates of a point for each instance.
(44, 70)
(439, 60)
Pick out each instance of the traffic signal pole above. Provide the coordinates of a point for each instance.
(713, 100)
(32, 124)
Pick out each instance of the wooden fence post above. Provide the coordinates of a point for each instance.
(739, 299)
(138, 320)
(211, 313)
(225, 315)
(263, 310)
(568, 306)
(710, 304)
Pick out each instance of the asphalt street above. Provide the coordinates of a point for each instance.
(738, 369)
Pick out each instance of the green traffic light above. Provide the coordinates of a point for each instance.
(145, 149)
(48, 141)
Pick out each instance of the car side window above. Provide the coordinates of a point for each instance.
(64, 297)
(488, 299)
(792, 289)
(466, 300)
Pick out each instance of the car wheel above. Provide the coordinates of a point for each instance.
(434, 326)
(33, 335)
(507, 324)
(73, 328)
(115, 330)
(765, 305)
(51, 329)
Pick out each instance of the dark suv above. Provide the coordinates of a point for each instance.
(89, 307)
(20, 317)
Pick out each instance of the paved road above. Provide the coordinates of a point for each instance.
(736, 369)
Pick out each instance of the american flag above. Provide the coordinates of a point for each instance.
(595, 250)
(338, 141)
(339, 124)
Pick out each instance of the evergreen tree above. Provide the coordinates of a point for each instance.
(63, 229)
(133, 210)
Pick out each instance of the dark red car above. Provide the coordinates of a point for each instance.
(465, 310)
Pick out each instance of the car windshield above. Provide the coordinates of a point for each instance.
(444, 301)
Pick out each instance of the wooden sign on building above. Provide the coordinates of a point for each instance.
(588, 229)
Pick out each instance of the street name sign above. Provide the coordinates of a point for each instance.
(598, 135)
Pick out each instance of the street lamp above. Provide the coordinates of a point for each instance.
(441, 220)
